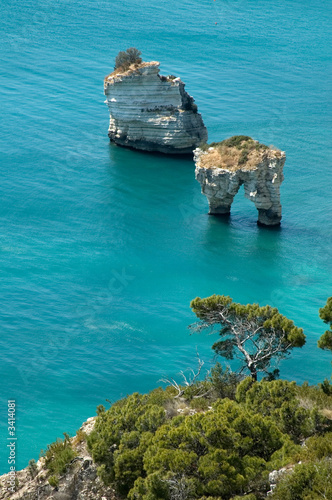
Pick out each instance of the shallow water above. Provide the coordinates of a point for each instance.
(103, 248)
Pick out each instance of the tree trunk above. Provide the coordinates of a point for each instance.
(253, 372)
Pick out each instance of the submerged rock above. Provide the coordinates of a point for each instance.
(223, 167)
(152, 112)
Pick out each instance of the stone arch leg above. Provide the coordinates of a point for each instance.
(220, 207)
(270, 217)
(221, 199)
(266, 197)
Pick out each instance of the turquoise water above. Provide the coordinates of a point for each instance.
(101, 248)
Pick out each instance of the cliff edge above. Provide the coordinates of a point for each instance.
(222, 168)
(151, 112)
(78, 482)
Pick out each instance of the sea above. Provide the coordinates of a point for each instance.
(103, 248)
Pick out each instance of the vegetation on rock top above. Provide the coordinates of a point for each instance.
(124, 60)
(239, 151)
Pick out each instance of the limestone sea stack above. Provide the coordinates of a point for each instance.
(222, 168)
(151, 112)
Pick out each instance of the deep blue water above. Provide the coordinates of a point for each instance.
(102, 248)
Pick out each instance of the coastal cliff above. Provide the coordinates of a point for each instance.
(202, 440)
(78, 482)
(223, 167)
(151, 112)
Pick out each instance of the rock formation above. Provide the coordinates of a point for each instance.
(79, 482)
(152, 112)
(223, 167)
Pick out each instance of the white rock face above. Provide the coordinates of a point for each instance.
(152, 112)
(261, 185)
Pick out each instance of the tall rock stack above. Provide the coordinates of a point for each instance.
(223, 167)
(151, 112)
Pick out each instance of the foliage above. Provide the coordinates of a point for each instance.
(122, 434)
(325, 313)
(218, 453)
(326, 387)
(224, 381)
(224, 450)
(125, 59)
(308, 481)
(325, 342)
(234, 152)
(278, 400)
(58, 456)
(314, 396)
(317, 447)
(80, 436)
(221, 446)
(217, 438)
(54, 481)
(32, 468)
(240, 142)
(256, 335)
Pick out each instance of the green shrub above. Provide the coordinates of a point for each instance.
(279, 400)
(236, 141)
(54, 481)
(326, 387)
(32, 468)
(316, 395)
(80, 436)
(121, 435)
(243, 157)
(196, 390)
(224, 381)
(58, 455)
(224, 450)
(251, 496)
(308, 481)
(125, 59)
(146, 451)
(317, 447)
(200, 404)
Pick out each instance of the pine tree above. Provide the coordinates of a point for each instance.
(256, 335)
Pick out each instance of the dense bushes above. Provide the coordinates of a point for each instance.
(278, 400)
(123, 433)
(155, 446)
(220, 453)
(308, 481)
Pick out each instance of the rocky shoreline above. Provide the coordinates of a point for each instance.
(79, 482)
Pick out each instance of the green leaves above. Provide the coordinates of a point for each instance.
(225, 348)
(58, 456)
(308, 481)
(279, 401)
(121, 436)
(222, 452)
(223, 449)
(325, 342)
(325, 313)
(202, 307)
